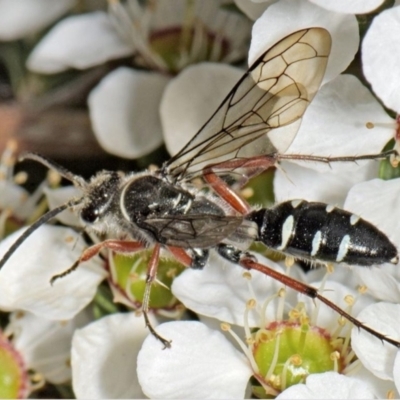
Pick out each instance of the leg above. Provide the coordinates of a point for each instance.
(151, 276)
(119, 246)
(253, 167)
(249, 263)
(328, 160)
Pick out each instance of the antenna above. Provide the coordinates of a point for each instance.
(76, 179)
(43, 219)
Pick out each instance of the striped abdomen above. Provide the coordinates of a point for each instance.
(317, 231)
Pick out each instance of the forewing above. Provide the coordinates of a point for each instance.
(273, 93)
(194, 231)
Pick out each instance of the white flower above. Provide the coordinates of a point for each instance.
(202, 363)
(164, 37)
(61, 195)
(45, 345)
(131, 98)
(349, 7)
(378, 357)
(254, 8)
(378, 202)
(24, 17)
(381, 57)
(329, 385)
(221, 291)
(34, 350)
(16, 204)
(278, 21)
(81, 41)
(25, 281)
(335, 124)
(104, 357)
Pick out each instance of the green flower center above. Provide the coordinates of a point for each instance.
(130, 272)
(286, 353)
(13, 377)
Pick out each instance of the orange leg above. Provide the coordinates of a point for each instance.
(249, 263)
(120, 246)
(253, 166)
(151, 276)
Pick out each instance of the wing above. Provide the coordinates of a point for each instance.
(192, 231)
(273, 93)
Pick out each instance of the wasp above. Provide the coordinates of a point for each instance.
(163, 209)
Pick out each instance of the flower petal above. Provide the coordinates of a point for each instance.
(191, 98)
(335, 124)
(382, 389)
(396, 372)
(381, 57)
(46, 344)
(25, 278)
(292, 181)
(253, 9)
(335, 292)
(78, 42)
(377, 356)
(14, 197)
(24, 17)
(62, 195)
(381, 282)
(378, 201)
(349, 7)
(104, 358)
(221, 291)
(200, 364)
(286, 16)
(124, 112)
(329, 385)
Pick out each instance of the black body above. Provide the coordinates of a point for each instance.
(316, 231)
(150, 207)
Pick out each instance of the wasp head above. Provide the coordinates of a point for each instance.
(99, 197)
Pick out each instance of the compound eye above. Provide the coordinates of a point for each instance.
(89, 214)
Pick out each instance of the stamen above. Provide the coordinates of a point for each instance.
(20, 178)
(132, 277)
(390, 125)
(317, 305)
(7, 160)
(335, 357)
(350, 356)
(250, 305)
(289, 262)
(248, 353)
(294, 360)
(54, 178)
(172, 272)
(369, 125)
(263, 312)
(391, 394)
(281, 304)
(247, 193)
(352, 368)
(37, 381)
(275, 357)
(247, 275)
(349, 299)
(362, 289)
(303, 335)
